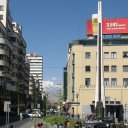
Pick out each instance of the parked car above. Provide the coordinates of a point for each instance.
(25, 115)
(96, 125)
(39, 111)
(109, 121)
(35, 114)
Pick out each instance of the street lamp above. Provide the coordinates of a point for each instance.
(125, 108)
(36, 87)
(45, 103)
(77, 95)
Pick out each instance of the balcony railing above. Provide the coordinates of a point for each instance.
(107, 86)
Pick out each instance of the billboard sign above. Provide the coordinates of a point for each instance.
(95, 24)
(110, 26)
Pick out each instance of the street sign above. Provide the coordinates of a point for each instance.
(38, 105)
(7, 105)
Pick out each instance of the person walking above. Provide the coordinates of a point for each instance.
(11, 126)
(61, 125)
(56, 125)
(66, 124)
(76, 124)
(38, 125)
(41, 125)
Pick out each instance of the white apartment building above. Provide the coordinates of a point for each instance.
(36, 67)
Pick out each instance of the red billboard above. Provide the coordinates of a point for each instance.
(110, 26)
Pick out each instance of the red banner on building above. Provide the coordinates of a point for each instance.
(111, 26)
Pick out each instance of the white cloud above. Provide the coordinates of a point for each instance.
(54, 78)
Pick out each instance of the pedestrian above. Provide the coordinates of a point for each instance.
(56, 125)
(38, 125)
(66, 124)
(84, 115)
(61, 125)
(72, 115)
(41, 125)
(78, 115)
(80, 124)
(11, 126)
(76, 124)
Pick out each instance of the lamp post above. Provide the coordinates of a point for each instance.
(18, 106)
(77, 95)
(18, 98)
(36, 87)
(125, 108)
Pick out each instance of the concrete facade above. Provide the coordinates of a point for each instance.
(14, 68)
(81, 75)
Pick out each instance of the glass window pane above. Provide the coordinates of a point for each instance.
(125, 54)
(106, 68)
(87, 55)
(113, 81)
(125, 68)
(106, 54)
(125, 82)
(1, 17)
(87, 68)
(113, 54)
(106, 81)
(87, 81)
(113, 68)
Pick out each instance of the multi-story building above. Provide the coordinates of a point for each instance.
(65, 84)
(36, 67)
(81, 75)
(14, 71)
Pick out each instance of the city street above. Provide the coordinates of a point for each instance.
(27, 123)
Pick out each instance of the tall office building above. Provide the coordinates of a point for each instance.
(36, 68)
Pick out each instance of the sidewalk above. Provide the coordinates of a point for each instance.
(28, 123)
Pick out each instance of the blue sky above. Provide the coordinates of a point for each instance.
(50, 25)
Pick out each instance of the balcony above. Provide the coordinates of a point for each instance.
(106, 87)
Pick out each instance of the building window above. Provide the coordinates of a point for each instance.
(87, 82)
(113, 55)
(106, 55)
(1, 17)
(13, 39)
(125, 68)
(87, 55)
(113, 81)
(113, 68)
(125, 82)
(1, 8)
(87, 68)
(125, 54)
(106, 81)
(73, 58)
(106, 68)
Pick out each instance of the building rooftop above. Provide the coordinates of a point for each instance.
(106, 42)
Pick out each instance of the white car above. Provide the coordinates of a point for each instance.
(35, 114)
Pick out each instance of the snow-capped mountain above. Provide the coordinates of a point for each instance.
(54, 91)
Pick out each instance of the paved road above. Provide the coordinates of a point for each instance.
(27, 123)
